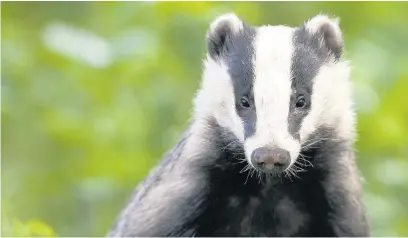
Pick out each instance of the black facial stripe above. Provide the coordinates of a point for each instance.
(241, 69)
(308, 56)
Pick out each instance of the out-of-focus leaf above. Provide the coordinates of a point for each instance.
(38, 228)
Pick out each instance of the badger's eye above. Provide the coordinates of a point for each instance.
(301, 102)
(244, 102)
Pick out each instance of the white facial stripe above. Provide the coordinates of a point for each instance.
(272, 89)
(215, 98)
(328, 108)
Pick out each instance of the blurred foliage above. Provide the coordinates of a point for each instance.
(33, 228)
(93, 94)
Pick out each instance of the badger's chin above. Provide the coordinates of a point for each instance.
(274, 170)
(272, 160)
(289, 170)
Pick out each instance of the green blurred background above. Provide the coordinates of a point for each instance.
(93, 94)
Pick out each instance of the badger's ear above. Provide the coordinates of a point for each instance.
(329, 29)
(220, 33)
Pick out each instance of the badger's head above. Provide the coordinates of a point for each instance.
(275, 86)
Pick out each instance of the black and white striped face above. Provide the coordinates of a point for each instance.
(273, 86)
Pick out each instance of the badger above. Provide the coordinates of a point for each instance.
(269, 148)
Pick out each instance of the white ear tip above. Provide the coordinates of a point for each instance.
(320, 20)
(229, 18)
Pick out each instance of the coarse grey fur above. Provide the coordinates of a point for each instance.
(199, 189)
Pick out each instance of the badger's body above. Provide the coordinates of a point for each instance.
(273, 100)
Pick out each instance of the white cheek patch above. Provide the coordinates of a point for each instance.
(332, 104)
(216, 98)
(272, 90)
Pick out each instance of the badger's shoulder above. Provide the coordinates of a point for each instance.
(170, 197)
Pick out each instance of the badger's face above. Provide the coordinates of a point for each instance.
(273, 86)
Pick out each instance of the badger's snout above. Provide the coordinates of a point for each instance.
(271, 160)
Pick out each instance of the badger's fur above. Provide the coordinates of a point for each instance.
(270, 87)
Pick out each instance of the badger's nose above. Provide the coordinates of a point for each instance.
(270, 159)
